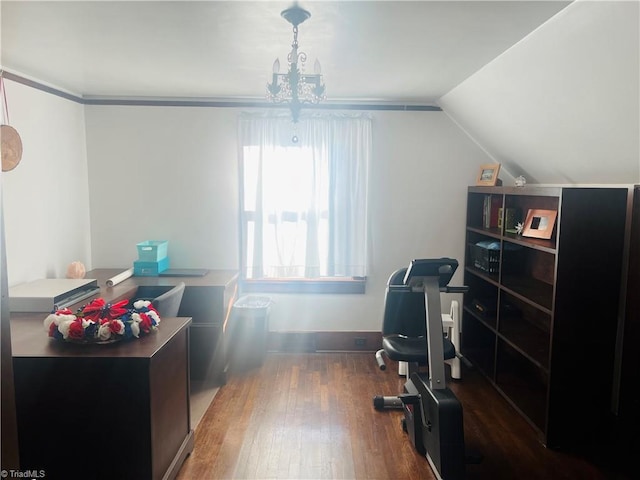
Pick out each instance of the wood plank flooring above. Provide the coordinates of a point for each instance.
(310, 416)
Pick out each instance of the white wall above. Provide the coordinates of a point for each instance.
(163, 173)
(46, 197)
(562, 105)
(171, 173)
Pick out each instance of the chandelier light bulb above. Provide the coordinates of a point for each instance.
(276, 66)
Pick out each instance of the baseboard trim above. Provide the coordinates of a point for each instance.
(324, 341)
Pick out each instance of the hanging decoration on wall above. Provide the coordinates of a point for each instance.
(296, 87)
(10, 141)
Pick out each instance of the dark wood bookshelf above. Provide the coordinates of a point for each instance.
(557, 303)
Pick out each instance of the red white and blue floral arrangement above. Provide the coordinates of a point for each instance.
(102, 322)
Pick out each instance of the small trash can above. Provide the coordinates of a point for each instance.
(251, 325)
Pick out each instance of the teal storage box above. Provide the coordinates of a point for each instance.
(152, 250)
(150, 269)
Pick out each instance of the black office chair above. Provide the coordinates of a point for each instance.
(404, 332)
(168, 304)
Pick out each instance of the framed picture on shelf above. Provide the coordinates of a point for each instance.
(539, 223)
(488, 175)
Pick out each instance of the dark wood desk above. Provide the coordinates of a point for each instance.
(102, 411)
(208, 300)
(121, 410)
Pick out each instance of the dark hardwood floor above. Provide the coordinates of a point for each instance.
(310, 416)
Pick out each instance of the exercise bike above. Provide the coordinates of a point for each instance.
(432, 413)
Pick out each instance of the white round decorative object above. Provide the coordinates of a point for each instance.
(521, 181)
(76, 270)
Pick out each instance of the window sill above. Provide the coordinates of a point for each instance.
(332, 285)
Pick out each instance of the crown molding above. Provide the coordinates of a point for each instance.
(215, 103)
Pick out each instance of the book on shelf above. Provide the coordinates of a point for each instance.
(491, 211)
(508, 217)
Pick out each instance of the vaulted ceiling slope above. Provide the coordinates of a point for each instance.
(408, 52)
(563, 105)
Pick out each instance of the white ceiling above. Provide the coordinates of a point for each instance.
(410, 52)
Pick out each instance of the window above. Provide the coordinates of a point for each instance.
(304, 205)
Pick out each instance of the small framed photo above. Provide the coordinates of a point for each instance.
(539, 223)
(488, 175)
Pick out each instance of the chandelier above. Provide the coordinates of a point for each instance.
(295, 87)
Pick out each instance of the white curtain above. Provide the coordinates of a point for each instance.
(304, 204)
